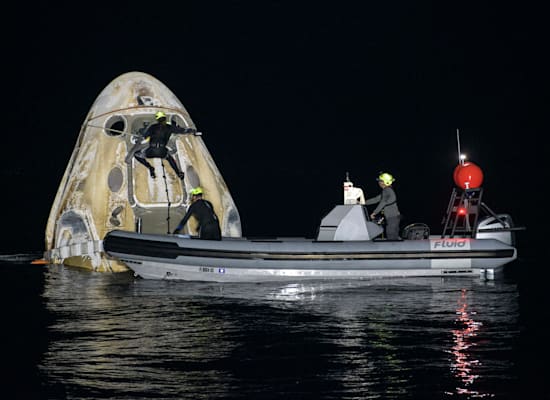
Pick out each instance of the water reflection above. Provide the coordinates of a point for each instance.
(464, 338)
(120, 337)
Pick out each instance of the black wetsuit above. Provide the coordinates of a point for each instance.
(209, 226)
(159, 135)
(387, 205)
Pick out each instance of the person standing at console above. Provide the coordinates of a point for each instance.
(387, 206)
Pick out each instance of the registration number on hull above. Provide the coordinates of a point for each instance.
(212, 270)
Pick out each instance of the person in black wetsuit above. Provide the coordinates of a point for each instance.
(158, 135)
(387, 206)
(209, 226)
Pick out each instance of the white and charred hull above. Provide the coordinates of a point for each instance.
(104, 188)
(244, 260)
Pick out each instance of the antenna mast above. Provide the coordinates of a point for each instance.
(460, 158)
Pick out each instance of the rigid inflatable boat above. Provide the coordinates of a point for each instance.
(348, 246)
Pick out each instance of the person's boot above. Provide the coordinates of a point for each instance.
(152, 172)
(175, 167)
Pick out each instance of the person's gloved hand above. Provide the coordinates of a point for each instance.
(176, 231)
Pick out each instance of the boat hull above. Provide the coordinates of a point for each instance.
(174, 257)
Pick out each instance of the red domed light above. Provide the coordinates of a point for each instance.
(468, 175)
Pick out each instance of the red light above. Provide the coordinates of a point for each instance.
(468, 175)
(461, 211)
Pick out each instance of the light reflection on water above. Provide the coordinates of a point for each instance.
(464, 337)
(119, 337)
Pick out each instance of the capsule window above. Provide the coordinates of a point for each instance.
(115, 125)
(115, 179)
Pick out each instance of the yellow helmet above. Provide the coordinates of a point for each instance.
(196, 191)
(160, 115)
(386, 178)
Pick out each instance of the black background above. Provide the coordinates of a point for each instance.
(289, 98)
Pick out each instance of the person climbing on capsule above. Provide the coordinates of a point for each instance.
(158, 135)
(387, 205)
(209, 226)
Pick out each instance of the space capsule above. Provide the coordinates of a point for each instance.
(105, 188)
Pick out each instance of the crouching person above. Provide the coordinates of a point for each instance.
(209, 225)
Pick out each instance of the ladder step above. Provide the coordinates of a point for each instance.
(457, 223)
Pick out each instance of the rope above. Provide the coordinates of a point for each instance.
(140, 107)
(167, 197)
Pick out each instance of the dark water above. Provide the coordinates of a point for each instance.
(73, 334)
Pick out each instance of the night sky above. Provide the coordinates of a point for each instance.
(291, 97)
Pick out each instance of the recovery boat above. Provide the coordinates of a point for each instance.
(475, 242)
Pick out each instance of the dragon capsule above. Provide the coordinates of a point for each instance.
(105, 188)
